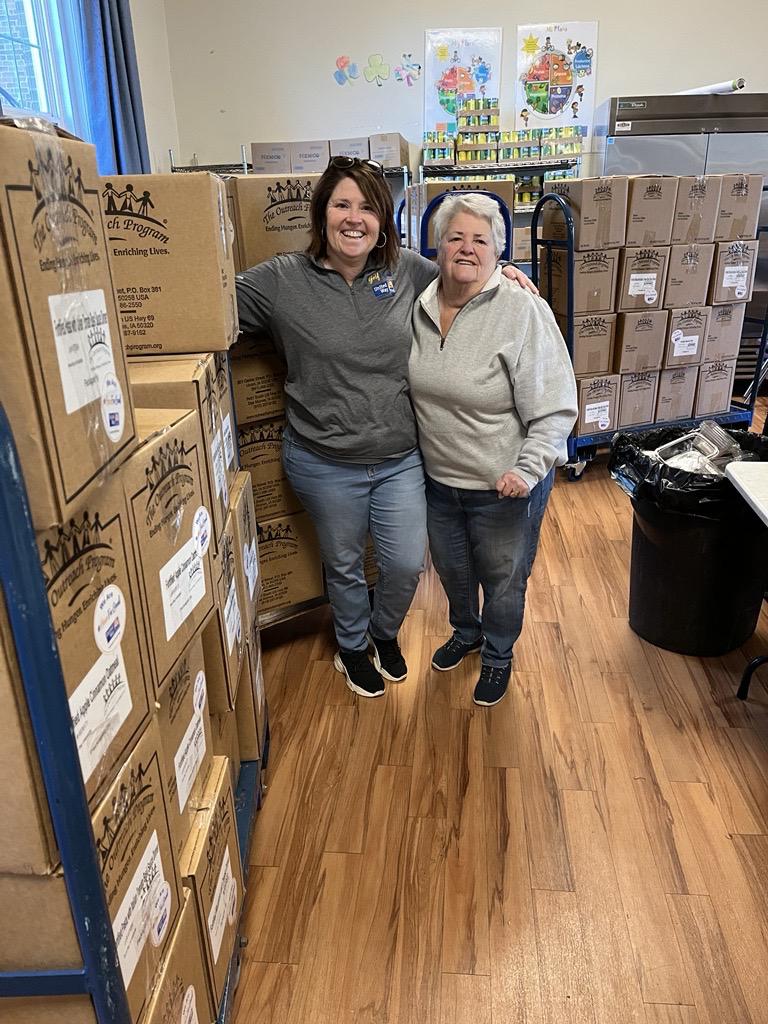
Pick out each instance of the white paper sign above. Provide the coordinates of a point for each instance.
(219, 471)
(99, 706)
(686, 344)
(251, 566)
(642, 284)
(189, 1007)
(141, 910)
(735, 277)
(83, 345)
(232, 616)
(219, 913)
(182, 586)
(229, 441)
(188, 758)
(597, 412)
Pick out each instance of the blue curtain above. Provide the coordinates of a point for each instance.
(115, 110)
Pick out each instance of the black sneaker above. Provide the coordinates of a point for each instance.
(452, 653)
(388, 658)
(492, 685)
(362, 677)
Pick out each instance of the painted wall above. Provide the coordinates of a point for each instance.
(151, 36)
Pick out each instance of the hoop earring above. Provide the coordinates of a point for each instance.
(384, 243)
(322, 232)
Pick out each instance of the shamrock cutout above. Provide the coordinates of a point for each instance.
(377, 71)
(345, 71)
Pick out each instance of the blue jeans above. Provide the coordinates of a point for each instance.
(347, 500)
(480, 540)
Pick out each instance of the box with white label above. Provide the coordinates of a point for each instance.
(210, 867)
(642, 278)
(733, 273)
(686, 336)
(715, 387)
(598, 404)
(63, 384)
(309, 157)
(357, 147)
(246, 548)
(93, 594)
(182, 994)
(201, 383)
(171, 529)
(271, 157)
(141, 884)
(724, 333)
(185, 740)
(224, 633)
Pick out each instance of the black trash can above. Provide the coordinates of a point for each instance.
(699, 553)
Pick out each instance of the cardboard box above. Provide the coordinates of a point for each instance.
(291, 570)
(696, 210)
(733, 273)
(390, 149)
(650, 209)
(724, 332)
(637, 403)
(49, 1010)
(688, 277)
(246, 546)
(428, 190)
(595, 275)
(270, 215)
(357, 147)
(93, 594)
(715, 387)
(598, 403)
(686, 336)
(225, 742)
(223, 634)
(261, 446)
(181, 994)
(64, 384)
(258, 378)
(677, 388)
(593, 340)
(210, 867)
(640, 339)
(599, 208)
(740, 197)
(191, 383)
(271, 157)
(185, 741)
(521, 245)
(171, 533)
(170, 250)
(309, 157)
(642, 278)
(251, 708)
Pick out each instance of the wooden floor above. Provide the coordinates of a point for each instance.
(594, 850)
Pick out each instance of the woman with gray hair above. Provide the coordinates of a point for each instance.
(493, 389)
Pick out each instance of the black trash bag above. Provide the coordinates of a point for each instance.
(677, 490)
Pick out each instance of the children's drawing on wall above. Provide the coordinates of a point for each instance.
(408, 71)
(458, 63)
(555, 76)
(377, 70)
(346, 70)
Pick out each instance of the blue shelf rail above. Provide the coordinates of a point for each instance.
(424, 247)
(582, 448)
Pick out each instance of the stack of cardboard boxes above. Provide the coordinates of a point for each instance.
(663, 271)
(419, 196)
(146, 538)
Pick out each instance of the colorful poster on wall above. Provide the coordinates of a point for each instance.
(459, 62)
(555, 76)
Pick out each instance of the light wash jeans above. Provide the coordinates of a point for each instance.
(480, 540)
(347, 500)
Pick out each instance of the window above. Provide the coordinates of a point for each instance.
(41, 67)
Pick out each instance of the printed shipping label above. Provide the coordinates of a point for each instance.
(229, 441)
(597, 412)
(232, 616)
(83, 345)
(136, 917)
(642, 284)
(219, 913)
(182, 586)
(687, 345)
(99, 706)
(219, 471)
(251, 564)
(188, 758)
(735, 277)
(189, 1007)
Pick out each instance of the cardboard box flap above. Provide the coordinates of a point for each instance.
(150, 422)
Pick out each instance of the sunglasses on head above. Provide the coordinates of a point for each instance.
(343, 163)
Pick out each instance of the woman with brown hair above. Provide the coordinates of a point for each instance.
(340, 315)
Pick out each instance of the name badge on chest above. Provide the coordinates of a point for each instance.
(382, 285)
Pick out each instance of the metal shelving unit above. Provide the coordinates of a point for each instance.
(541, 166)
(23, 592)
(582, 448)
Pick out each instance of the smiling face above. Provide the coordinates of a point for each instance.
(352, 228)
(467, 255)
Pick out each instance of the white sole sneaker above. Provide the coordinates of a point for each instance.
(339, 665)
(377, 664)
